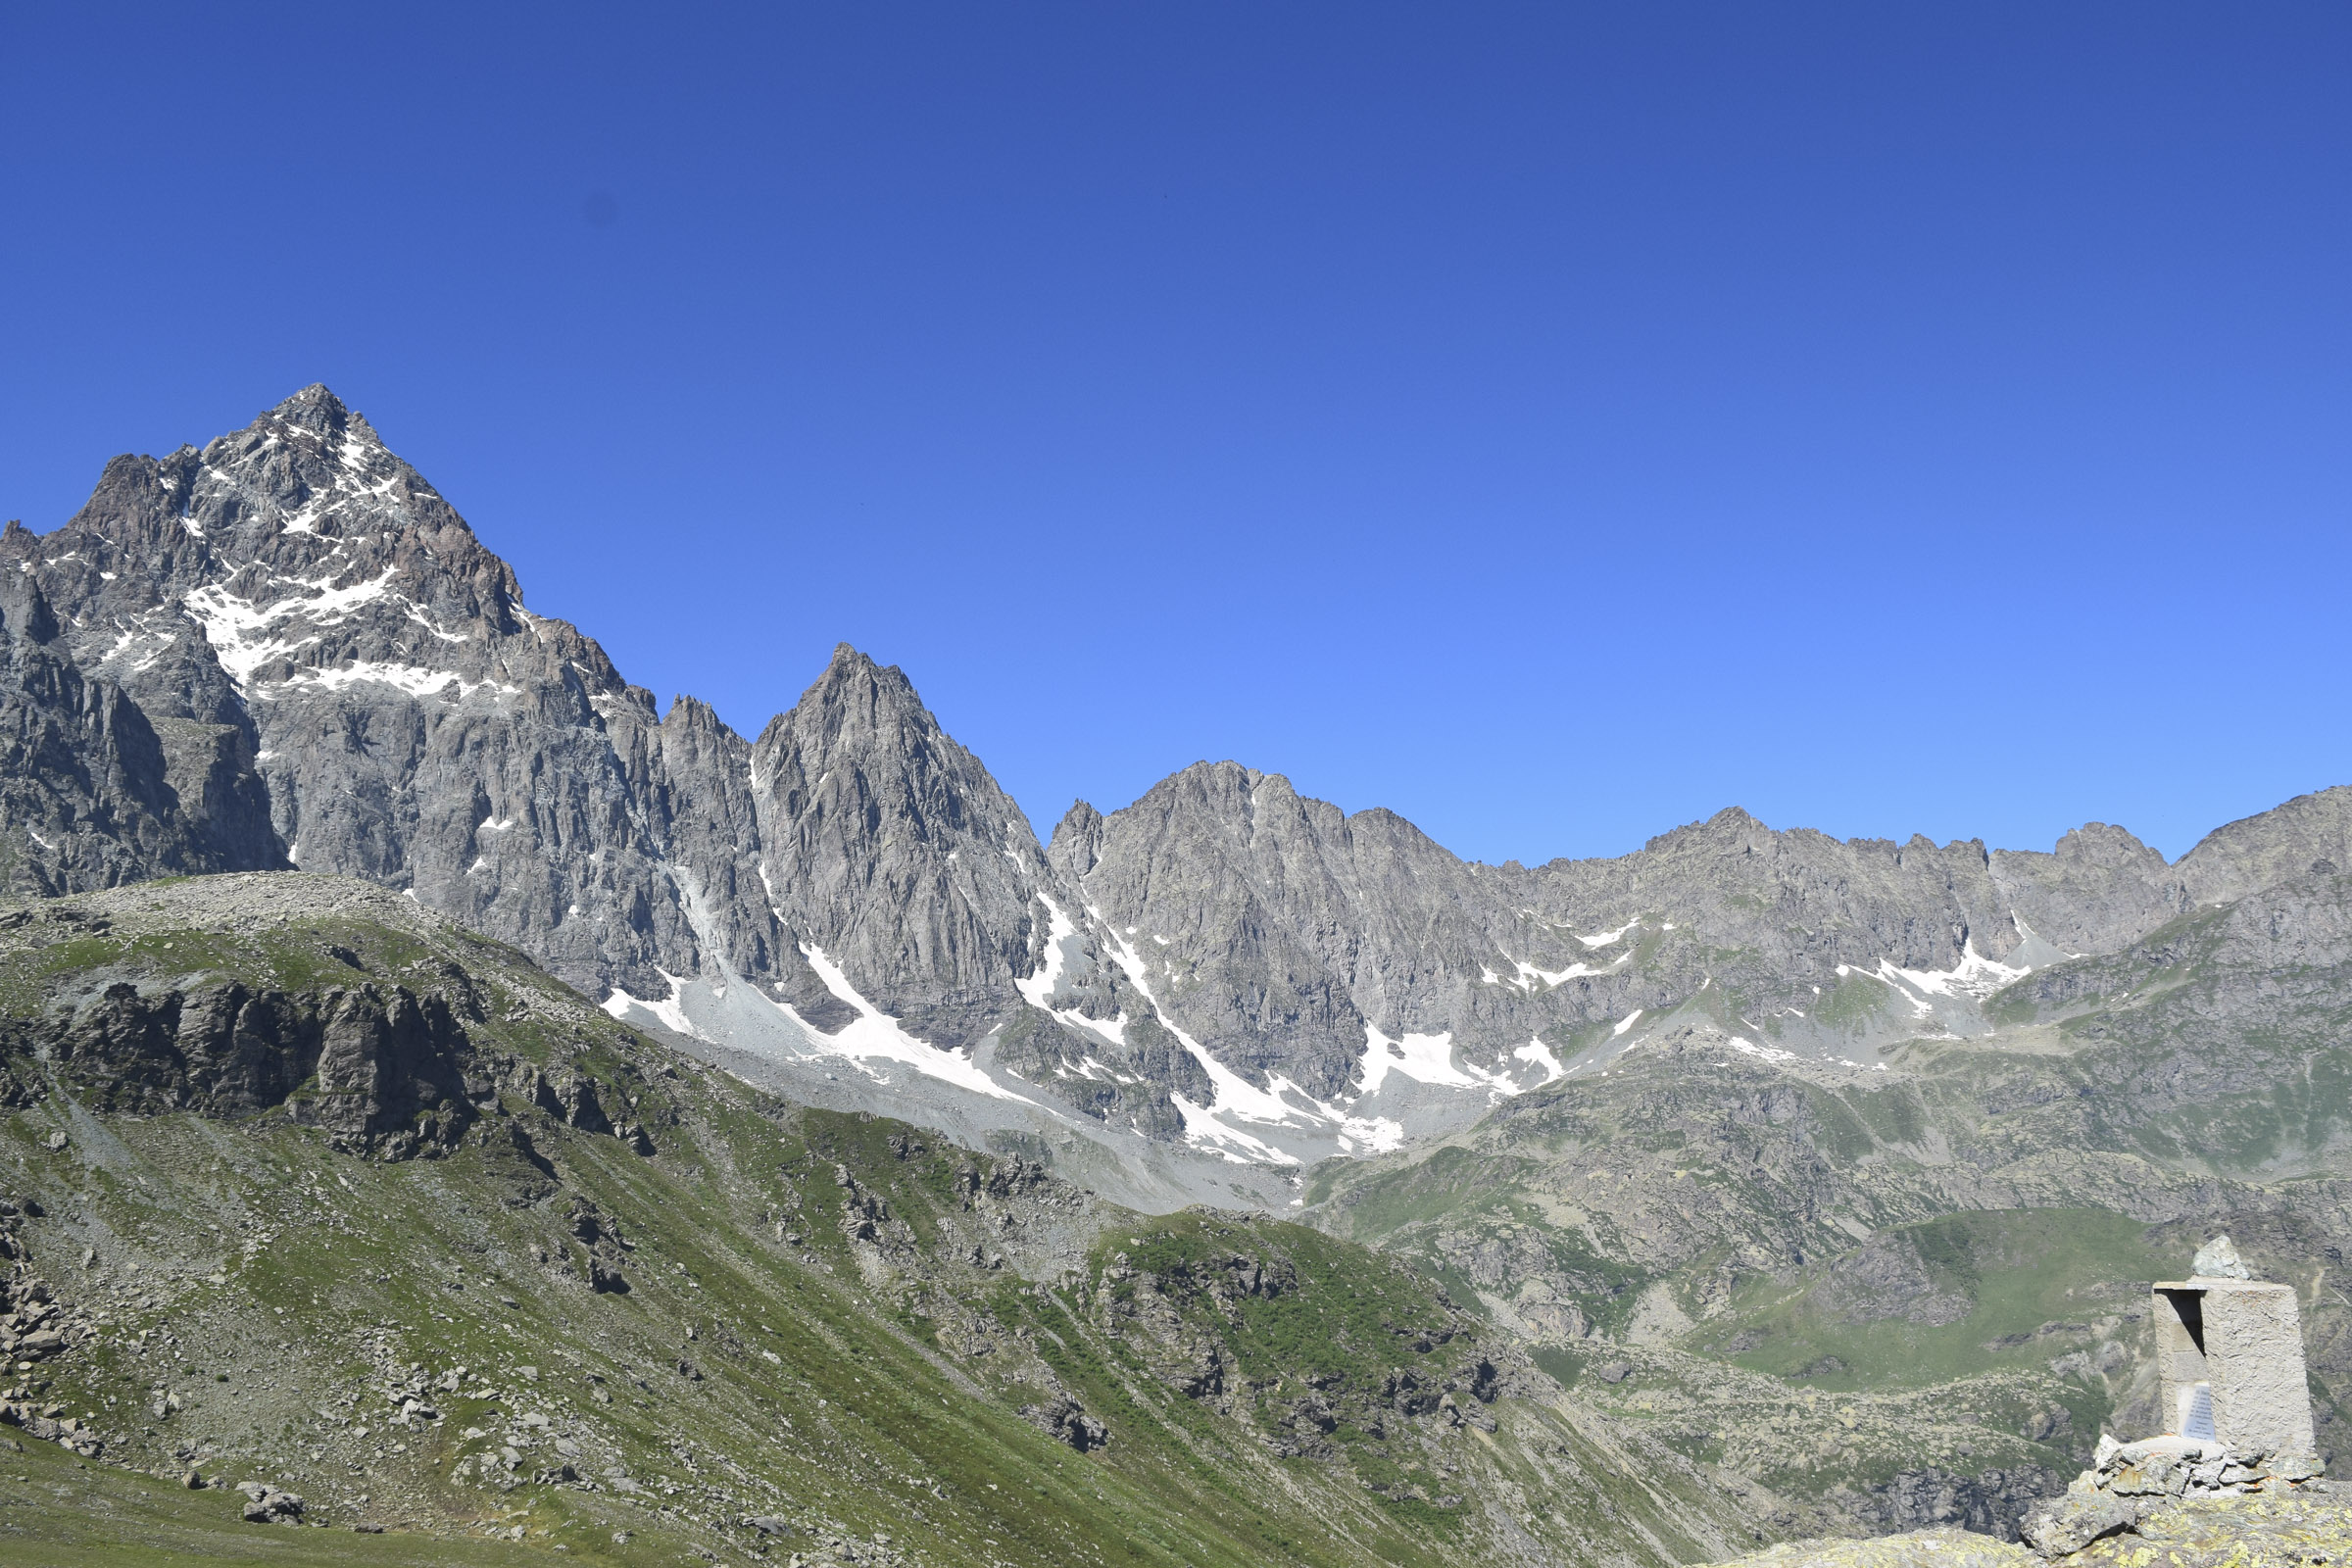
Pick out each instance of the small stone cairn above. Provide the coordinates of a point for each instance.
(2232, 1376)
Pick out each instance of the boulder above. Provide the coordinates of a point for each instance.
(266, 1504)
(1066, 1419)
(2217, 1259)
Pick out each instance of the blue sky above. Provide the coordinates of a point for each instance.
(1554, 422)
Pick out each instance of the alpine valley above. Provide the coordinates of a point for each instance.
(445, 1098)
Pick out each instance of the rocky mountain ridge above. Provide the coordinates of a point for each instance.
(285, 647)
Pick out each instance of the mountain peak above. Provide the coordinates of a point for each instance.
(314, 409)
(849, 661)
(692, 712)
(851, 678)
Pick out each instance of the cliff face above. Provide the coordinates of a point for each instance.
(93, 792)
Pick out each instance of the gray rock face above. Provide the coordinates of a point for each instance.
(2310, 835)
(333, 1002)
(890, 848)
(1276, 927)
(1290, 928)
(1281, 930)
(390, 1065)
(1790, 907)
(91, 794)
(413, 724)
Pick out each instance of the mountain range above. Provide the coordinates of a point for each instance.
(1818, 1182)
(285, 648)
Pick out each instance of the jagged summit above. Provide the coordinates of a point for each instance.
(854, 684)
(314, 406)
(315, 411)
(695, 713)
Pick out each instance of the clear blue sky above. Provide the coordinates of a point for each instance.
(1552, 422)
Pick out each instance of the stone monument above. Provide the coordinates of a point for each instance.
(2233, 1397)
(2230, 1356)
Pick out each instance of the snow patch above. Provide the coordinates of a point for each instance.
(1539, 1053)
(1038, 988)
(414, 680)
(875, 1035)
(670, 1010)
(1425, 1058)
(237, 627)
(1230, 1094)
(307, 519)
(1203, 1130)
(1976, 977)
(1529, 975)
(417, 613)
(1377, 1133)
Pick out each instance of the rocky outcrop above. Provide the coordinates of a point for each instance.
(1066, 1420)
(266, 1504)
(2130, 1483)
(602, 1248)
(1990, 1503)
(1887, 1279)
(380, 1068)
(387, 1043)
(2196, 1533)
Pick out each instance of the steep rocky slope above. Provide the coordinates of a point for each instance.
(311, 1189)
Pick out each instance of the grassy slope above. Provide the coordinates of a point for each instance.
(283, 1290)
